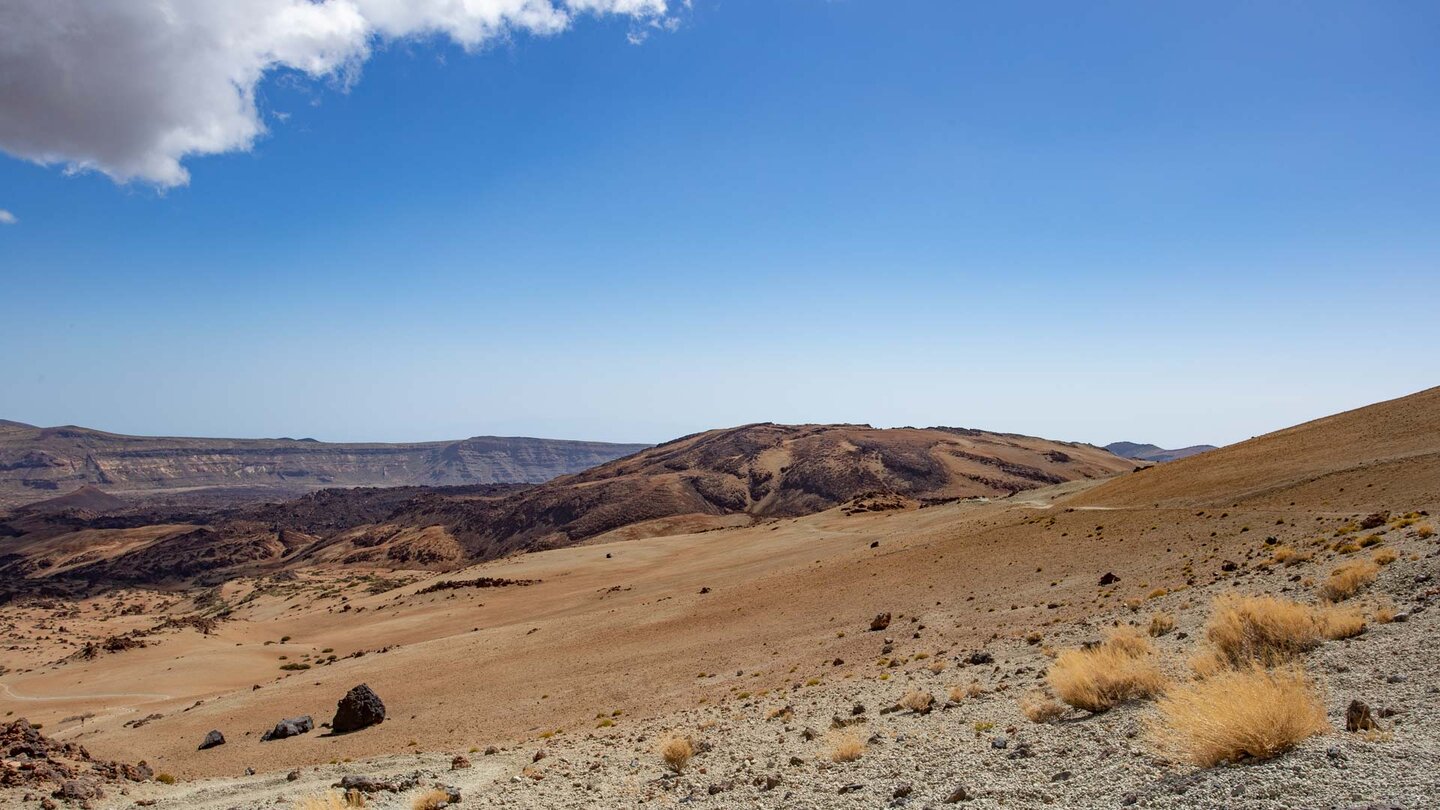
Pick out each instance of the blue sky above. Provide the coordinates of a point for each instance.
(1084, 221)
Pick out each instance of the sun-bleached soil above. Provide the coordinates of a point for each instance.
(615, 645)
(1080, 761)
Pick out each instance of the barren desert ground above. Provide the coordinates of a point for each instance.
(612, 645)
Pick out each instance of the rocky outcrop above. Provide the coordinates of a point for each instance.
(29, 758)
(764, 471)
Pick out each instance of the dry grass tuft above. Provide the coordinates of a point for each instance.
(1101, 677)
(846, 746)
(1385, 556)
(1129, 640)
(1262, 629)
(1288, 556)
(1160, 624)
(1384, 612)
(1238, 715)
(432, 799)
(918, 701)
(1348, 579)
(1040, 707)
(331, 800)
(1425, 532)
(1337, 623)
(676, 751)
(970, 690)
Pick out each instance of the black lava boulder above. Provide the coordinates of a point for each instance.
(212, 739)
(360, 708)
(290, 727)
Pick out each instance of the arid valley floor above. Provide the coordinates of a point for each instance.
(555, 682)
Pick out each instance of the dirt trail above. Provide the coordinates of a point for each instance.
(152, 696)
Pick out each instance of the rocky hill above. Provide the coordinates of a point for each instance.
(708, 480)
(760, 471)
(1156, 453)
(42, 463)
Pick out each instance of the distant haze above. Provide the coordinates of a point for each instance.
(626, 220)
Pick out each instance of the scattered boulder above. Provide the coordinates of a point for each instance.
(459, 763)
(74, 790)
(1108, 579)
(959, 794)
(211, 740)
(1358, 717)
(290, 727)
(360, 708)
(980, 657)
(366, 784)
(880, 622)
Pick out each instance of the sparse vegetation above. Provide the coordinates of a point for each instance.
(331, 800)
(1347, 580)
(1161, 624)
(846, 746)
(165, 778)
(1384, 613)
(676, 750)
(1338, 623)
(1261, 629)
(1039, 707)
(1289, 557)
(432, 799)
(918, 701)
(1101, 677)
(1250, 713)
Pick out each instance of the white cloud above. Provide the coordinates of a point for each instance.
(132, 88)
(7, 218)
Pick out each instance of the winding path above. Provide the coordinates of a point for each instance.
(152, 696)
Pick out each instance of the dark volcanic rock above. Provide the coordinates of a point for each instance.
(360, 708)
(290, 727)
(212, 739)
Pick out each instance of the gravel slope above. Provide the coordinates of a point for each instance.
(915, 760)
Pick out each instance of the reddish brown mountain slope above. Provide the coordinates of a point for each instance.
(760, 471)
(721, 477)
(1351, 460)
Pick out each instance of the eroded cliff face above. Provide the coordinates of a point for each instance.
(40, 463)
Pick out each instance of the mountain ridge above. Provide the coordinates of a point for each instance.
(38, 463)
(1141, 451)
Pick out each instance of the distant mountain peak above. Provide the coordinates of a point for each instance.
(1151, 452)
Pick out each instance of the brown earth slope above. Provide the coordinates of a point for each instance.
(1349, 460)
(708, 480)
(744, 619)
(39, 463)
(762, 471)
